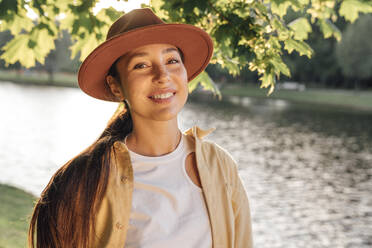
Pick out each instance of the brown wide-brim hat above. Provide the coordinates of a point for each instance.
(137, 28)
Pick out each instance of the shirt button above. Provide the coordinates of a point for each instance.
(123, 179)
(119, 225)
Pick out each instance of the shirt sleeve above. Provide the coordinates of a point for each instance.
(240, 204)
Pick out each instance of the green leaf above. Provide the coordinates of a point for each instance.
(301, 47)
(280, 7)
(304, 2)
(350, 9)
(271, 90)
(84, 46)
(113, 14)
(157, 7)
(268, 80)
(280, 67)
(108, 15)
(196, 11)
(67, 22)
(283, 32)
(17, 50)
(274, 43)
(44, 43)
(17, 24)
(260, 7)
(329, 29)
(206, 82)
(301, 28)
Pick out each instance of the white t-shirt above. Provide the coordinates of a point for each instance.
(168, 209)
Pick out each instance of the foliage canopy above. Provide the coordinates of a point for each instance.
(246, 33)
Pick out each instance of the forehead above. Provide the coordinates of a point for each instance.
(149, 50)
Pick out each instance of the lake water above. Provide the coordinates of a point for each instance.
(307, 169)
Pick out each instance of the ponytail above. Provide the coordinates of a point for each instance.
(64, 214)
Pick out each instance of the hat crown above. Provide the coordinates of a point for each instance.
(136, 18)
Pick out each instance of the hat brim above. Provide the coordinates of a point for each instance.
(195, 44)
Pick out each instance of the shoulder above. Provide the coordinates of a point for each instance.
(218, 160)
(218, 151)
(208, 149)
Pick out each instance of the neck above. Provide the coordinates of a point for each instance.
(154, 138)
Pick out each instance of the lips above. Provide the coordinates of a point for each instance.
(162, 96)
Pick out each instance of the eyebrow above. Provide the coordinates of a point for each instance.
(143, 54)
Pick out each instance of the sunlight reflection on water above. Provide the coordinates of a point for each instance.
(307, 170)
(44, 127)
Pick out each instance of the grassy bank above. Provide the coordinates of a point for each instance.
(39, 78)
(15, 210)
(345, 98)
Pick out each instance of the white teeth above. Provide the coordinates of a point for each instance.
(163, 96)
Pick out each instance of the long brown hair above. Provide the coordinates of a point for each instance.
(64, 214)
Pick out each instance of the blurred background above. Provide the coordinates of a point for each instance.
(304, 152)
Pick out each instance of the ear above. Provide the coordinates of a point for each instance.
(115, 87)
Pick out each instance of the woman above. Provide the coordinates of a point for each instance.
(144, 183)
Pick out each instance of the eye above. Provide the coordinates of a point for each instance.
(140, 66)
(173, 61)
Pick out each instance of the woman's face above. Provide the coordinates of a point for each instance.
(153, 80)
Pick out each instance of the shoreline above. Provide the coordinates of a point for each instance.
(349, 99)
(39, 79)
(332, 98)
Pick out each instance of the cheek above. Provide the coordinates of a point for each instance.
(129, 91)
(184, 83)
(183, 72)
(131, 85)
(125, 90)
(184, 92)
(185, 80)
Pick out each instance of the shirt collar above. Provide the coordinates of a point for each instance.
(194, 131)
(199, 133)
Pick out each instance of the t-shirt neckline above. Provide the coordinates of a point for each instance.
(172, 155)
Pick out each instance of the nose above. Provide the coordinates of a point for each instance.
(161, 74)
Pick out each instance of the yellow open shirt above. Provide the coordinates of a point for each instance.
(224, 194)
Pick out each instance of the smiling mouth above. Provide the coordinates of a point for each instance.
(163, 96)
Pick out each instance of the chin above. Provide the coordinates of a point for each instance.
(165, 116)
(168, 112)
